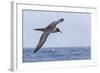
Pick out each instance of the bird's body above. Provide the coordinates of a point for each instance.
(51, 28)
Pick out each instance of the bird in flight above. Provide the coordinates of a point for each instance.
(51, 28)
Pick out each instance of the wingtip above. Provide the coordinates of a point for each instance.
(34, 52)
(62, 19)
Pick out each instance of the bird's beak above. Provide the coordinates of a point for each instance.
(60, 31)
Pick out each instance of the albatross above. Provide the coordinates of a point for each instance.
(51, 28)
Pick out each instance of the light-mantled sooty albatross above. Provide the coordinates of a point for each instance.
(51, 28)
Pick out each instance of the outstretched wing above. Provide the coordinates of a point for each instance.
(41, 41)
(54, 23)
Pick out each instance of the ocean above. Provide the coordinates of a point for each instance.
(56, 54)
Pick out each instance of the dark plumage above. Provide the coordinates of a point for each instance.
(51, 28)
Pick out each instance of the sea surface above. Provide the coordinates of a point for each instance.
(56, 54)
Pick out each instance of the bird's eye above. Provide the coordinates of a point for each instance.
(57, 29)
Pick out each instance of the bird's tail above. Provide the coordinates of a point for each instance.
(40, 29)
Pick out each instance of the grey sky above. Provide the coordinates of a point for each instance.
(76, 28)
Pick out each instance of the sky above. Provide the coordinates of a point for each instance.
(76, 28)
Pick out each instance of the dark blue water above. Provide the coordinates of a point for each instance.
(56, 54)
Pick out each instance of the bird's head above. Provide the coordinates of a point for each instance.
(58, 30)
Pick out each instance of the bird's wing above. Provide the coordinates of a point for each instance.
(54, 23)
(41, 41)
